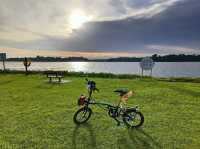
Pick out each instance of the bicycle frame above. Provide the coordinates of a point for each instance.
(100, 103)
(108, 107)
(89, 102)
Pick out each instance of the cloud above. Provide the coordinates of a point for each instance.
(13, 52)
(50, 17)
(177, 26)
(118, 25)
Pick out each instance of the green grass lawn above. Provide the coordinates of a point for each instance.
(37, 114)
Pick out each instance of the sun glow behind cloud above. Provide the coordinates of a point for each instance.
(78, 18)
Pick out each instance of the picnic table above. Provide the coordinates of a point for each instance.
(54, 75)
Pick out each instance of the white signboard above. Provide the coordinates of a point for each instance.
(2, 56)
(147, 63)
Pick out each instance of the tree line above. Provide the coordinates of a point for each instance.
(155, 57)
(176, 58)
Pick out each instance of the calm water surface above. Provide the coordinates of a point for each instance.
(161, 69)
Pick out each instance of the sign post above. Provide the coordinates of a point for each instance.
(3, 58)
(147, 63)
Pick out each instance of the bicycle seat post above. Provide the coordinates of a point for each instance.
(120, 102)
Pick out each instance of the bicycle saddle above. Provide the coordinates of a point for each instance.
(121, 91)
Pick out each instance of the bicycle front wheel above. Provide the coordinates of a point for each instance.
(133, 119)
(82, 115)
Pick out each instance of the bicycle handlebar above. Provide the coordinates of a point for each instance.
(91, 85)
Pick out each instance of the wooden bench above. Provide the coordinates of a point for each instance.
(54, 75)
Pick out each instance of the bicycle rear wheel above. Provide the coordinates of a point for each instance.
(133, 119)
(82, 115)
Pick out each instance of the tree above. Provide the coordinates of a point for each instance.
(26, 63)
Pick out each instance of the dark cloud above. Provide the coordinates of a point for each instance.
(176, 26)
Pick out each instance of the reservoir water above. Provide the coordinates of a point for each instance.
(161, 69)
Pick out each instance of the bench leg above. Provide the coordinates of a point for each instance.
(50, 79)
(59, 79)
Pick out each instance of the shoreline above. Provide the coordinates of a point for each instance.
(106, 75)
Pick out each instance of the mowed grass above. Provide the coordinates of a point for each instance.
(37, 114)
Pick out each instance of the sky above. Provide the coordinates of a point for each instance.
(99, 28)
